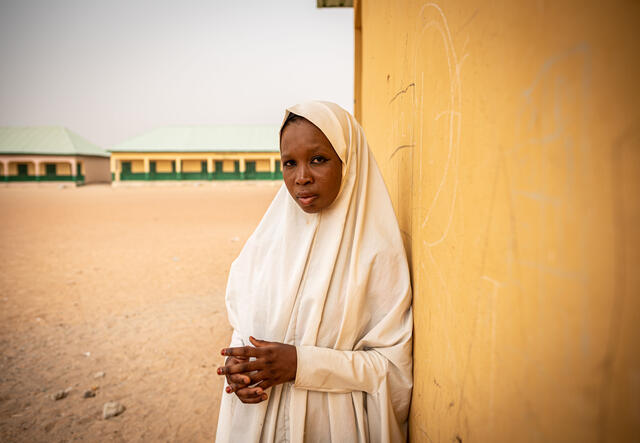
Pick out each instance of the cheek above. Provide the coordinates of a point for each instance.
(288, 181)
(331, 183)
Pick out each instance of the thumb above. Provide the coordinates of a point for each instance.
(258, 343)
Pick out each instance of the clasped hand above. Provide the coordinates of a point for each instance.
(274, 363)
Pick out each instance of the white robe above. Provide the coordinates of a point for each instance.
(336, 285)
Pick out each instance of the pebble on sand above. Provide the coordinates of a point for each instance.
(89, 393)
(59, 395)
(99, 374)
(112, 409)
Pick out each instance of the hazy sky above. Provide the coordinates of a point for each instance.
(110, 70)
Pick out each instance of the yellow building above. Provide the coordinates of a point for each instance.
(507, 133)
(50, 153)
(240, 152)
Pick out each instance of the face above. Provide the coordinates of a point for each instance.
(311, 169)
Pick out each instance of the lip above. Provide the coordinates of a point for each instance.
(306, 199)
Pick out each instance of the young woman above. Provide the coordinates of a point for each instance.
(320, 298)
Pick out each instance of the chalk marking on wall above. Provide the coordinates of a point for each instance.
(454, 66)
(438, 270)
(538, 196)
(440, 114)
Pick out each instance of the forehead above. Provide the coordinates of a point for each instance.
(302, 135)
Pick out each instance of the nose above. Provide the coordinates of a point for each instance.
(303, 176)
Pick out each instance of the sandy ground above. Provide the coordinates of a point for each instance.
(128, 281)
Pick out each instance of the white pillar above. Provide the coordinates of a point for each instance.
(74, 168)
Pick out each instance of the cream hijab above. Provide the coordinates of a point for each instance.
(335, 280)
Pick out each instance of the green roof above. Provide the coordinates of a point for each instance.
(231, 138)
(46, 140)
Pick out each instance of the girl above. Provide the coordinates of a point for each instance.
(320, 298)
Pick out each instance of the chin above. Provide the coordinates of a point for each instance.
(310, 209)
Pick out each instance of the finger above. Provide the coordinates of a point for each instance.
(257, 376)
(244, 351)
(239, 379)
(232, 387)
(241, 367)
(252, 395)
(258, 343)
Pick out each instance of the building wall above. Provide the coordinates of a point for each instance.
(95, 169)
(164, 166)
(263, 166)
(137, 165)
(61, 169)
(228, 166)
(13, 167)
(192, 165)
(507, 133)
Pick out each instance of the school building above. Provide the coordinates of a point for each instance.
(50, 154)
(232, 152)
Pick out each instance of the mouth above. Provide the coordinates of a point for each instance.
(306, 199)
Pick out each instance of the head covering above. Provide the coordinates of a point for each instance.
(336, 280)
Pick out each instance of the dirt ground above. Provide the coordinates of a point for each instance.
(128, 281)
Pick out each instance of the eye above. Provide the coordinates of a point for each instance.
(289, 163)
(318, 160)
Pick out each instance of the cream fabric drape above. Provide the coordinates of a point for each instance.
(336, 285)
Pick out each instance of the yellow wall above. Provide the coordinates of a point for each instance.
(228, 166)
(137, 166)
(507, 133)
(263, 166)
(13, 168)
(192, 165)
(164, 166)
(193, 159)
(62, 169)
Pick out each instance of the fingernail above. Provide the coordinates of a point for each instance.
(223, 352)
(228, 389)
(219, 371)
(264, 397)
(258, 391)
